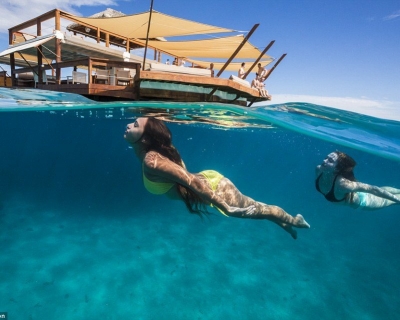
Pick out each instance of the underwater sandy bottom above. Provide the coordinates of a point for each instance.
(168, 264)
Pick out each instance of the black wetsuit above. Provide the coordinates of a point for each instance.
(330, 196)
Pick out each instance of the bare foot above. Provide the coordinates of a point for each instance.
(288, 228)
(300, 222)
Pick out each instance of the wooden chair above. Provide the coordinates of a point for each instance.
(77, 77)
(102, 76)
(50, 79)
(124, 77)
(47, 79)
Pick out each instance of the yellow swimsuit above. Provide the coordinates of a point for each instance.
(159, 188)
(156, 187)
(213, 177)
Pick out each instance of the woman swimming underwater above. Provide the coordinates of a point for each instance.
(335, 180)
(164, 173)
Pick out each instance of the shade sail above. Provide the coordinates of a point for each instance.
(233, 66)
(210, 48)
(200, 52)
(28, 44)
(162, 25)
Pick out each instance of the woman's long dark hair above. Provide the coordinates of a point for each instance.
(157, 137)
(345, 166)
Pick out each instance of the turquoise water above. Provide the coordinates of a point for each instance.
(82, 239)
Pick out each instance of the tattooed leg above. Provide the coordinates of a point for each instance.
(391, 190)
(228, 191)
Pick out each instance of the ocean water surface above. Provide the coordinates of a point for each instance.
(81, 238)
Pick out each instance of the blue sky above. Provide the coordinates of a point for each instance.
(343, 54)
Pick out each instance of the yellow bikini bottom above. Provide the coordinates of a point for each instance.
(159, 188)
(213, 177)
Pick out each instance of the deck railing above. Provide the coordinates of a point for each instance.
(89, 64)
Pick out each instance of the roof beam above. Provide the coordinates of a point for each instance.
(238, 49)
(46, 16)
(275, 65)
(259, 58)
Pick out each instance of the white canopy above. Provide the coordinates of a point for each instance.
(27, 44)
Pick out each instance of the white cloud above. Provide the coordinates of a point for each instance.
(15, 12)
(376, 108)
(392, 16)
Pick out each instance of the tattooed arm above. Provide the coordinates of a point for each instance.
(354, 186)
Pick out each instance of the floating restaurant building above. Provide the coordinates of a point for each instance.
(105, 57)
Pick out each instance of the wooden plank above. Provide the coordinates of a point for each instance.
(5, 82)
(85, 89)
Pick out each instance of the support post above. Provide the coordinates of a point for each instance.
(39, 51)
(90, 67)
(251, 103)
(12, 59)
(58, 46)
(147, 37)
(127, 49)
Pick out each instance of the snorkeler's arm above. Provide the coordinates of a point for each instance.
(162, 167)
(354, 186)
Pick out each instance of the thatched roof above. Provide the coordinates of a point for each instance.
(92, 33)
(108, 13)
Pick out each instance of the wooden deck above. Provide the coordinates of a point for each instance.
(94, 91)
(149, 85)
(225, 85)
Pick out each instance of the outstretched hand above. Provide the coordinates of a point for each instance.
(247, 210)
